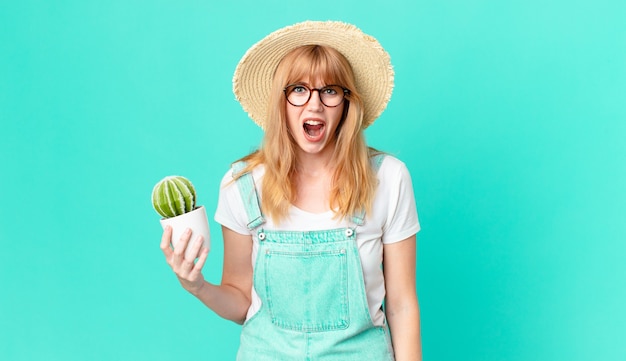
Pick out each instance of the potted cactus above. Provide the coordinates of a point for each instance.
(174, 198)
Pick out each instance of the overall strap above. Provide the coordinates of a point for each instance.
(375, 161)
(249, 195)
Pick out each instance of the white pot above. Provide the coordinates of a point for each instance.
(196, 220)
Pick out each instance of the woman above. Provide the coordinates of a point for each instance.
(318, 212)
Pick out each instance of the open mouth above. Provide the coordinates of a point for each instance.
(313, 128)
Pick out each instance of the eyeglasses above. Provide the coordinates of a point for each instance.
(300, 94)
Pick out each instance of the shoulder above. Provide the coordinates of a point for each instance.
(231, 184)
(231, 210)
(394, 204)
(391, 161)
(394, 181)
(229, 180)
(392, 169)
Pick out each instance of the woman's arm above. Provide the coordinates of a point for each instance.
(232, 298)
(401, 306)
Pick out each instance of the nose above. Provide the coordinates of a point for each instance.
(315, 102)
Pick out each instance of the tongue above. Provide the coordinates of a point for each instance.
(313, 130)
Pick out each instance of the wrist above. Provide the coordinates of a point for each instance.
(196, 291)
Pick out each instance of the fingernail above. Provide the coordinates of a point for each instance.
(188, 231)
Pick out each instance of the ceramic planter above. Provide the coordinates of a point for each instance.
(196, 220)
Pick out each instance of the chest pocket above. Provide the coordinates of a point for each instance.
(305, 283)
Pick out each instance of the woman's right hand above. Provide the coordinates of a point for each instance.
(189, 273)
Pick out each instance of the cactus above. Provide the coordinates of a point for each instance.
(173, 196)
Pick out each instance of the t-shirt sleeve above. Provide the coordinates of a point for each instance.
(230, 211)
(401, 221)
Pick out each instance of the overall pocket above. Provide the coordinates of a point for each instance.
(307, 291)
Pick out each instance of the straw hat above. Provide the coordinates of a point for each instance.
(370, 63)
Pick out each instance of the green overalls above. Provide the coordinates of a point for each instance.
(314, 305)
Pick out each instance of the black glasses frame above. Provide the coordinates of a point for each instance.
(345, 92)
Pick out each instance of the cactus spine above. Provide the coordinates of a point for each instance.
(173, 196)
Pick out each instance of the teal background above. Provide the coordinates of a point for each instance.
(511, 116)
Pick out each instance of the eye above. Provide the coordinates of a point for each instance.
(329, 90)
(300, 89)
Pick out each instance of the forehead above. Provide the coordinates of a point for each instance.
(315, 72)
(314, 80)
(313, 83)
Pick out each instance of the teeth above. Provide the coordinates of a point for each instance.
(313, 122)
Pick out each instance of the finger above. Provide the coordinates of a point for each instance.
(201, 261)
(187, 265)
(181, 245)
(194, 249)
(166, 239)
(184, 270)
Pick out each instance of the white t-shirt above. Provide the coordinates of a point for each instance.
(393, 218)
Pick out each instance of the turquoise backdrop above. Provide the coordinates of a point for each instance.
(511, 116)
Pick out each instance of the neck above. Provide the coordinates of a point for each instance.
(314, 164)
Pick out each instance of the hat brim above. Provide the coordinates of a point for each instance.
(370, 63)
